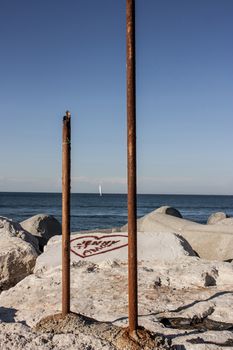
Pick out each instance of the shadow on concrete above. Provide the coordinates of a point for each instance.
(7, 315)
(199, 340)
(181, 308)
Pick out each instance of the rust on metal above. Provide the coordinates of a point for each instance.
(132, 180)
(66, 165)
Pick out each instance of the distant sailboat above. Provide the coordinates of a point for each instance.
(100, 190)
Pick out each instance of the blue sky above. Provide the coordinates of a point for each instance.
(58, 55)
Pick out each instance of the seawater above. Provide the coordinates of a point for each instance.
(90, 211)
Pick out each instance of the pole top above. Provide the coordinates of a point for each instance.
(67, 116)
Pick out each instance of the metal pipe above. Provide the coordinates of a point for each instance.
(66, 139)
(132, 181)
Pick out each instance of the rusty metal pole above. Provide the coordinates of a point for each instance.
(132, 180)
(66, 138)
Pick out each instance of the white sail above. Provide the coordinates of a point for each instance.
(100, 190)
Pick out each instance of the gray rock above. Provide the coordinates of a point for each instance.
(18, 253)
(169, 211)
(43, 227)
(216, 217)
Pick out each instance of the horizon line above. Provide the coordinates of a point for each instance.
(122, 193)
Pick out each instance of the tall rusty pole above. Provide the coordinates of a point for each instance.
(132, 180)
(66, 139)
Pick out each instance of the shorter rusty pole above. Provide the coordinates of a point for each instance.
(132, 181)
(66, 138)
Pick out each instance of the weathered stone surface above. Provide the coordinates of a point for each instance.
(12, 229)
(99, 290)
(216, 217)
(77, 332)
(160, 222)
(17, 336)
(18, 253)
(160, 246)
(184, 298)
(43, 227)
(227, 221)
(214, 242)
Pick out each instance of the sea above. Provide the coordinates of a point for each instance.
(92, 211)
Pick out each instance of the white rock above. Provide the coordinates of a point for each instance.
(216, 217)
(17, 253)
(10, 228)
(43, 227)
(227, 221)
(214, 242)
(99, 290)
(99, 247)
(160, 222)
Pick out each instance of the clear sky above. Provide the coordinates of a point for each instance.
(58, 55)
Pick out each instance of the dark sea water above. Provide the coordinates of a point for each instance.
(90, 211)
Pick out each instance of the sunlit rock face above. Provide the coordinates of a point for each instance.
(211, 241)
(216, 218)
(177, 290)
(184, 298)
(18, 253)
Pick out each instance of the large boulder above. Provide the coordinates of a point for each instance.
(213, 242)
(43, 227)
(159, 221)
(18, 253)
(102, 247)
(216, 217)
(12, 229)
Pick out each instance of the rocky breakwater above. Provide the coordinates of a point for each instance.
(185, 300)
(213, 241)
